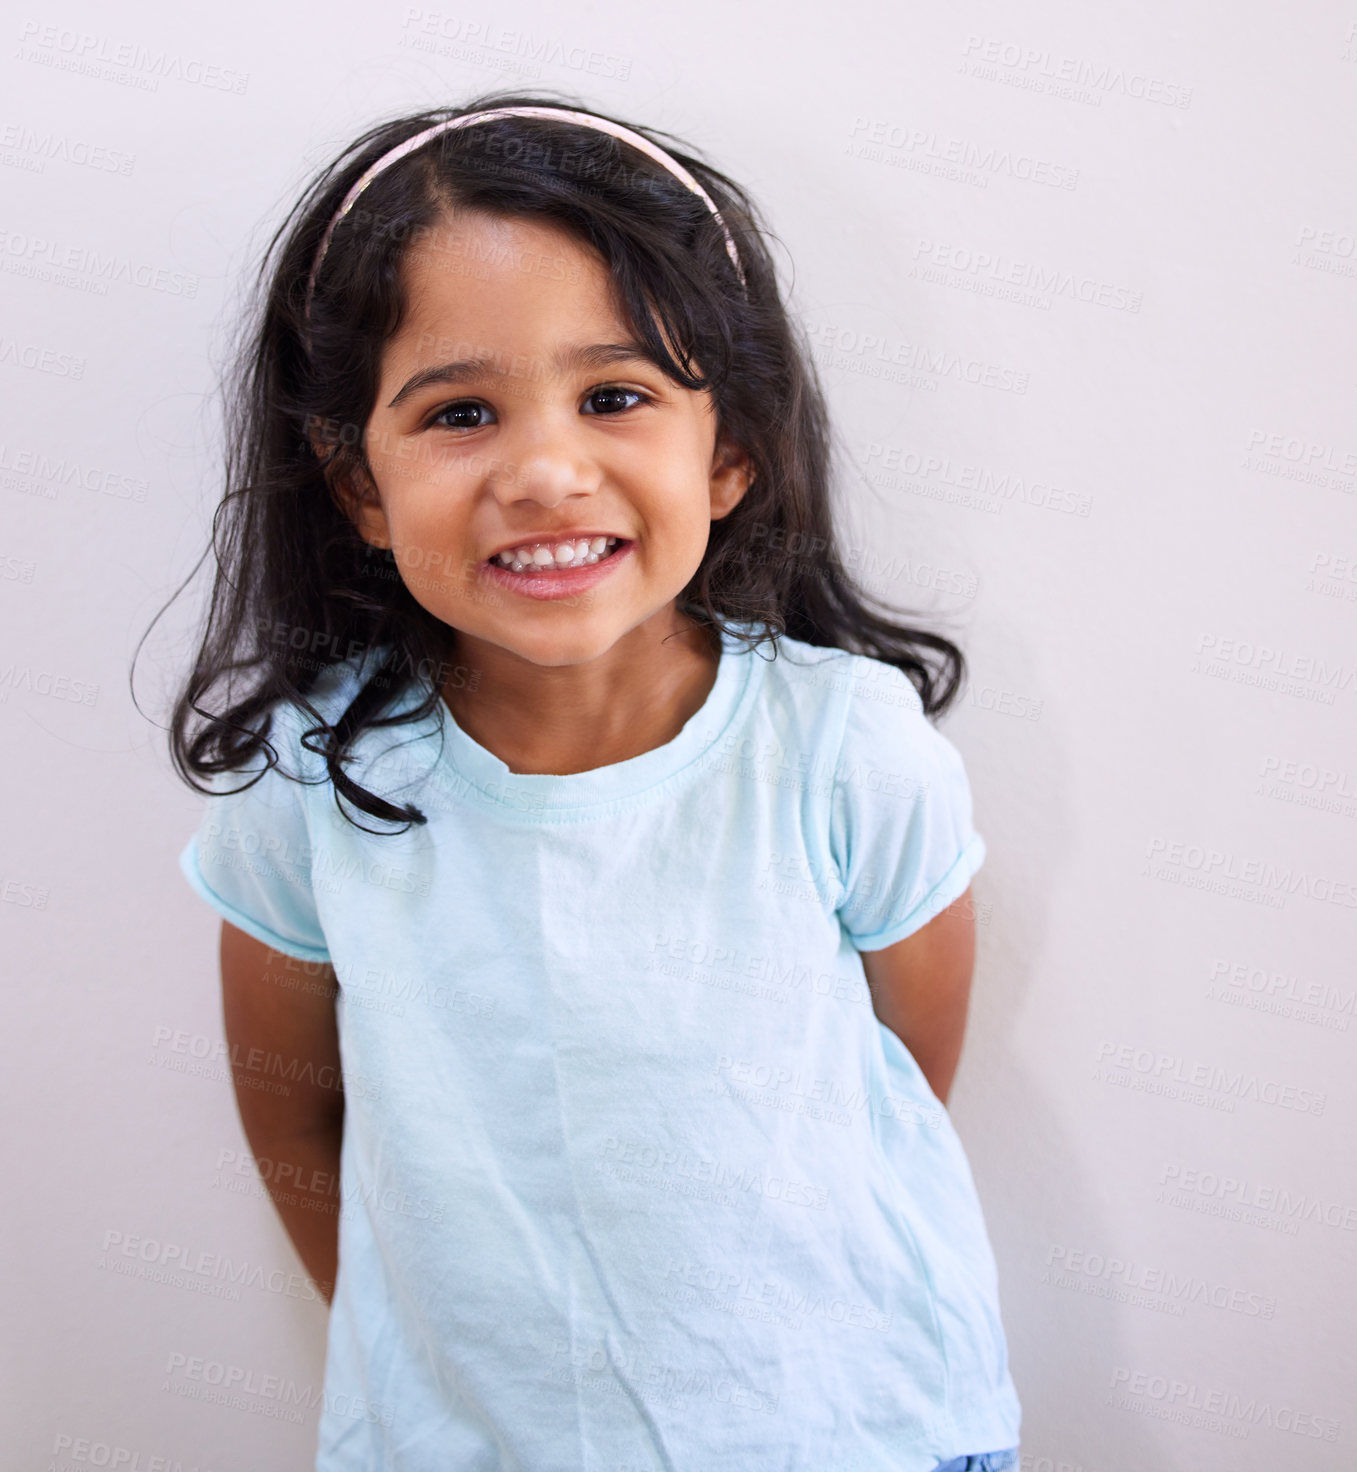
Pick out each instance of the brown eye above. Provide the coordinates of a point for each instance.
(455, 416)
(612, 397)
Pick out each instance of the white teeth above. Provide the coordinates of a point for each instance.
(533, 556)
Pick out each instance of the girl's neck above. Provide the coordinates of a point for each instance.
(565, 719)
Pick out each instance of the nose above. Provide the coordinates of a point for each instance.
(546, 460)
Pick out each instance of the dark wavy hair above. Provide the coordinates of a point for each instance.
(287, 558)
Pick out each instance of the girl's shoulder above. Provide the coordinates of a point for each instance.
(899, 836)
(862, 718)
(856, 678)
(843, 699)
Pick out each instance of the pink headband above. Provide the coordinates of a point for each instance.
(585, 119)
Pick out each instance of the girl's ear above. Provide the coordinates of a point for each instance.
(731, 476)
(353, 492)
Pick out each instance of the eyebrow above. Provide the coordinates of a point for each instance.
(598, 355)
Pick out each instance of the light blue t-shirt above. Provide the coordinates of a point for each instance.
(632, 1176)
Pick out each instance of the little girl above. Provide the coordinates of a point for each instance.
(597, 937)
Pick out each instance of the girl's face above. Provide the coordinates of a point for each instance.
(512, 410)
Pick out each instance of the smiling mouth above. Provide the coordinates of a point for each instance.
(541, 557)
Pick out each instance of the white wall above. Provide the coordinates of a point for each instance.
(1127, 317)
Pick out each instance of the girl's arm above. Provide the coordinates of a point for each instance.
(921, 988)
(280, 1018)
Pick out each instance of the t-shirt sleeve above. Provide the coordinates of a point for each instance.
(251, 857)
(901, 831)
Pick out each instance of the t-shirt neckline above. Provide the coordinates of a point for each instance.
(533, 792)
